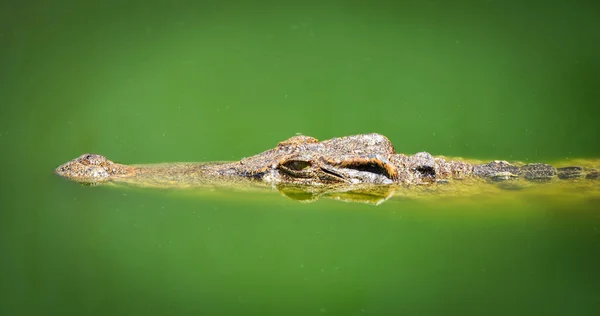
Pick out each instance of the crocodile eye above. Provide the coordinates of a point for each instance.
(296, 165)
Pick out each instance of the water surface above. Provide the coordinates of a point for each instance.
(146, 82)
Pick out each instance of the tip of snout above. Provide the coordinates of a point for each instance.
(59, 171)
(85, 169)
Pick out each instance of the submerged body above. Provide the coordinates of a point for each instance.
(351, 161)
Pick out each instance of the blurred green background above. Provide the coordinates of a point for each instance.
(158, 81)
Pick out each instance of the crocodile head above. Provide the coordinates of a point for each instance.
(91, 169)
(305, 161)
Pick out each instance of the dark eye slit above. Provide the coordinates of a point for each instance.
(331, 173)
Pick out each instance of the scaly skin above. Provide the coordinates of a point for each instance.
(366, 159)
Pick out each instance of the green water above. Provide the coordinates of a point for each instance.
(154, 81)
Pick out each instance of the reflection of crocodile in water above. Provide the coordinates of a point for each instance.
(366, 159)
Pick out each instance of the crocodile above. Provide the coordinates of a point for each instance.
(350, 161)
